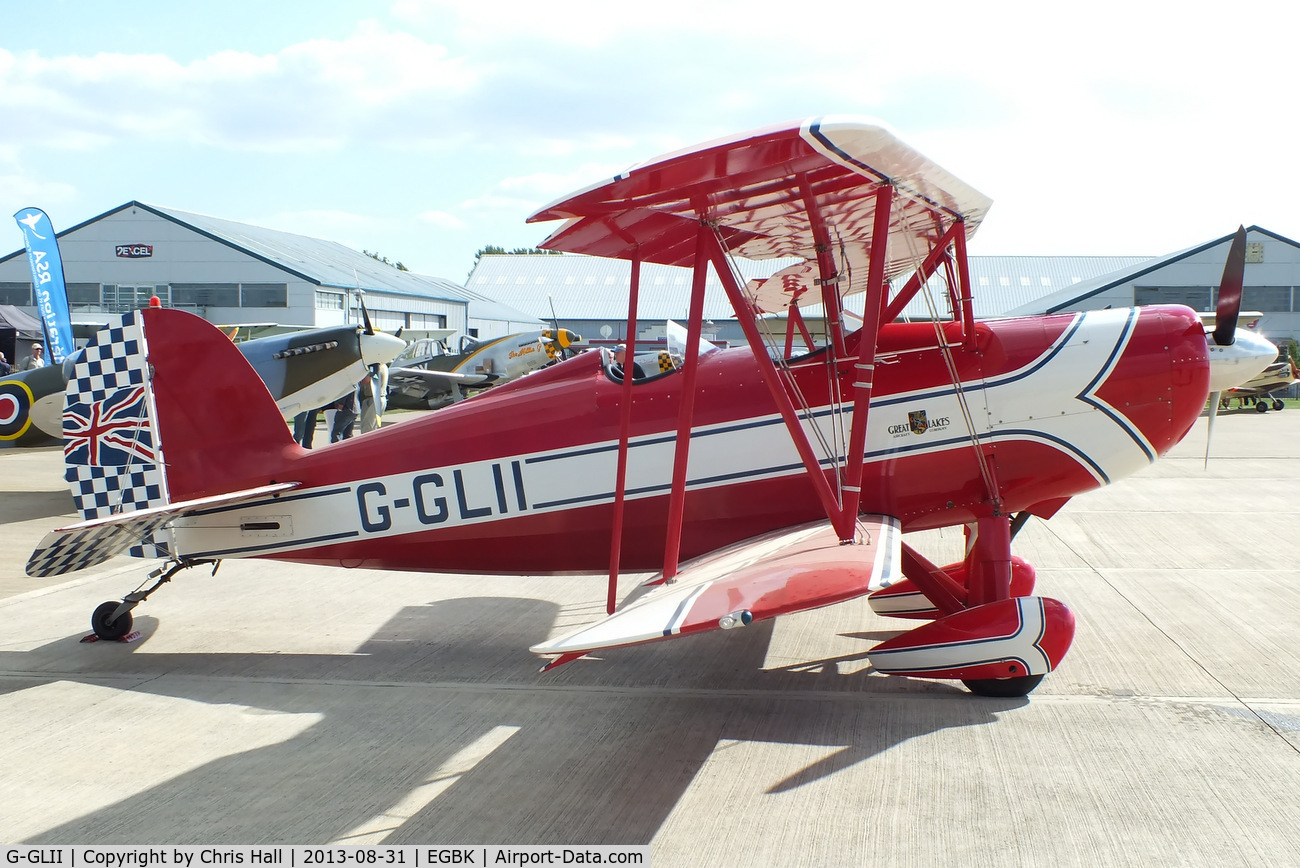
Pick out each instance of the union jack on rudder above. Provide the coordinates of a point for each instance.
(111, 432)
(111, 453)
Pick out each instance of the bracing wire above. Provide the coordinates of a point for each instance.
(775, 352)
(945, 350)
(841, 445)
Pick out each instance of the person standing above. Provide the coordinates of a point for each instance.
(36, 359)
(345, 415)
(304, 428)
(374, 397)
(304, 425)
(5, 367)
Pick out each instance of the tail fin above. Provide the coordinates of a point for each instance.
(218, 426)
(162, 407)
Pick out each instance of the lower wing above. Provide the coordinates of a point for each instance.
(786, 571)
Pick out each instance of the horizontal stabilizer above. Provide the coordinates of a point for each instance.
(87, 543)
(781, 572)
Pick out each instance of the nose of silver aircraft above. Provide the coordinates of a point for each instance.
(379, 348)
(1234, 364)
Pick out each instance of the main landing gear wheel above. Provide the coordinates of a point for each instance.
(1261, 406)
(1003, 688)
(112, 630)
(1277, 404)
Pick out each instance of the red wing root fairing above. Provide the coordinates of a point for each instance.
(756, 483)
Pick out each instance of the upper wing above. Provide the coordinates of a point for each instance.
(87, 543)
(785, 571)
(776, 192)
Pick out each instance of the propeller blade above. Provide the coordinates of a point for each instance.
(555, 323)
(1209, 432)
(369, 329)
(1234, 270)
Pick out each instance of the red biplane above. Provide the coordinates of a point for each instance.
(757, 482)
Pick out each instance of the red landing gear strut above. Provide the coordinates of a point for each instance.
(988, 631)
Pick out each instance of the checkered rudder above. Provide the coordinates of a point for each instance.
(110, 457)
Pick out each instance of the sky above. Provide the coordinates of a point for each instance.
(424, 130)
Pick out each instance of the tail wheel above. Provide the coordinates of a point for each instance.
(110, 630)
(1003, 688)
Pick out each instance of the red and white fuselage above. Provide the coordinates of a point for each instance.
(521, 479)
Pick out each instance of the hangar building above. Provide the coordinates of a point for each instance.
(590, 294)
(234, 273)
(1191, 277)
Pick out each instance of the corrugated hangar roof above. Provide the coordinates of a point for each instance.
(595, 287)
(324, 263)
(328, 263)
(590, 287)
(1002, 283)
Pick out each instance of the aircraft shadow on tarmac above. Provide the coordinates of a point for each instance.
(600, 751)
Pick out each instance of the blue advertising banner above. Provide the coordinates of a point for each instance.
(47, 280)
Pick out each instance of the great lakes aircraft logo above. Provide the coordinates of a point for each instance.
(918, 422)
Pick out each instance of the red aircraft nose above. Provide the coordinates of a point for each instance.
(1161, 379)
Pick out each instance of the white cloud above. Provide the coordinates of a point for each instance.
(465, 118)
(313, 95)
(19, 190)
(593, 140)
(549, 185)
(441, 219)
(498, 203)
(577, 22)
